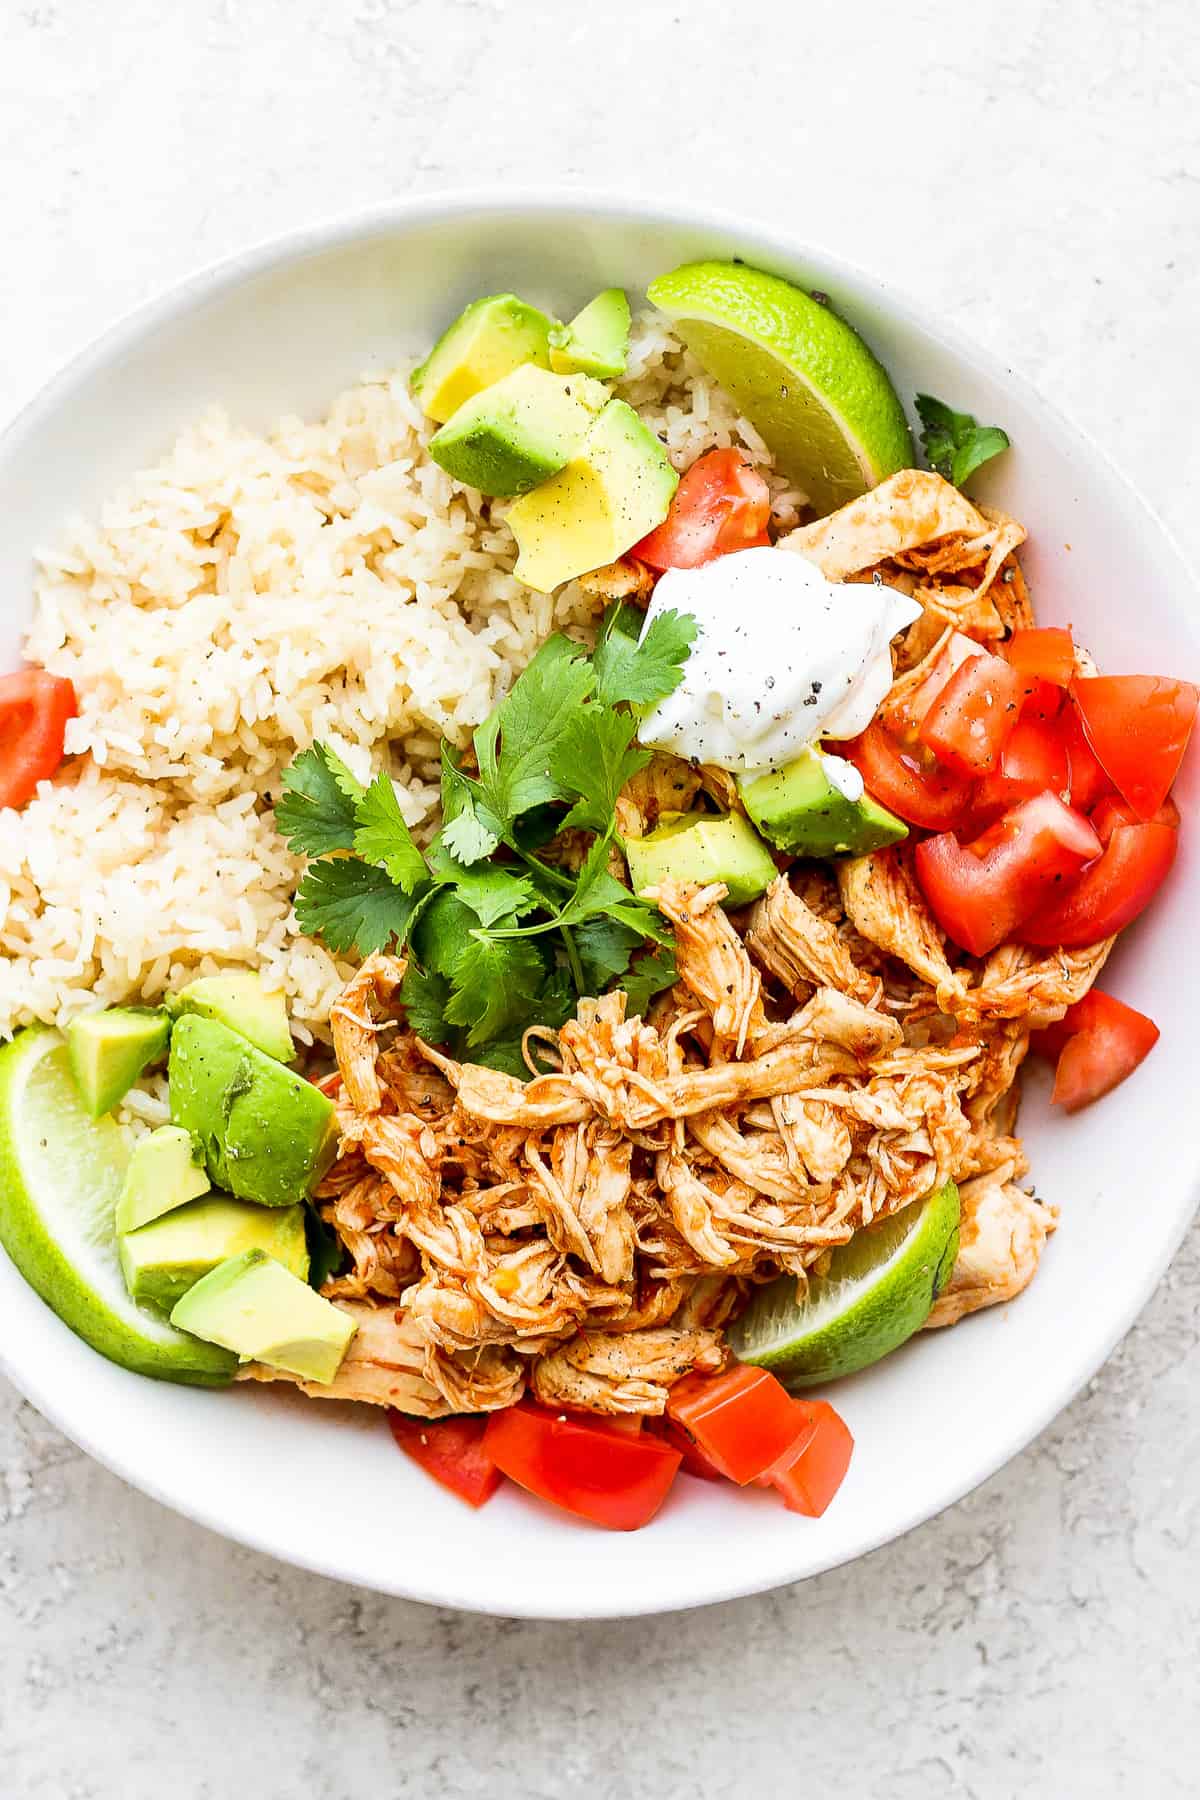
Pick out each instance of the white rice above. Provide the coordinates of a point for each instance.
(242, 598)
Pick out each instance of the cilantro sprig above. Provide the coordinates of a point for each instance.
(956, 444)
(498, 937)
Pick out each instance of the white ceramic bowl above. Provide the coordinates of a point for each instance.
(282, 329)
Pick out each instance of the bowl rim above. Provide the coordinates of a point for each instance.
(330, 232)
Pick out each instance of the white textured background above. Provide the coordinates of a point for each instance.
(1030, 167)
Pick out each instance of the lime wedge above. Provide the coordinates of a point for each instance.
(820, 399)
(60, 1175)
(878, 1290)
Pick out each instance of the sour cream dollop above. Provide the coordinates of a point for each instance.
(783, 657)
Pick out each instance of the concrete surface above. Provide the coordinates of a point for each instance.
(1031, 166)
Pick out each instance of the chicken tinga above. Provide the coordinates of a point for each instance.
(662, 1002)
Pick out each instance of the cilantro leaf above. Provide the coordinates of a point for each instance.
(383, 837)
(493, 892)
(352, 905)
(424, 994)
(326, 1253)
(515, 744)
(443, 930)
(648, 976)
(315, 812)
(504, 1054)
(466, 834)
(955, 444)
(604, 946)
(594, 757)
(495, 983)
(644, 672)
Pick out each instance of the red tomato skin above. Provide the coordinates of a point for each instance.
(609, 1478)
(1034, 759)
(981, 893)
(810, 1475)
(1099, 1043)
(34, 709)
(694, 1461)
(452, 1451)
(721, 504)
(1044, 653)
(976, 712)
(1089, 783)
(1111, 811)
(1110, 893)
(743, 1420)
(1138, 727)
(932, 798)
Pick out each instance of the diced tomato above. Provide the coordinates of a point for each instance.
(34, 709)
(1110, 893)
(694, 1460)
(1098, 1043)
(980, 893)
(721, 504)
(743, 1420)
(1111, 811)
(973, 717)
(812, 1471)
(452, 1451)
(908, 781)
(1138, 726)
(1033, 760)
(1043, 654)
(623, 1424)
(609, 1477)
(1089, 783)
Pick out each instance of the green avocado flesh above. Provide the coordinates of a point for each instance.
(615, 488)
(244, 1004)
(268, 1135)
(109, 1050)
(519, 431)
(489, 339)
(162, 1260)
(60, 1175)
(255, 1307)
(596, 342)
(163, 1173)
(702, 848)
(803, 812)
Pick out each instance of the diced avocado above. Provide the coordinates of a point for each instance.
(252, 1305)
(268, 1135)
(519, 431)
(162, 1260)
(616, 488)
(488, 340)
(816, 806)
(245, 1004)
(109, 1050)
(703, 847)
(596, 342)
(163, 1173)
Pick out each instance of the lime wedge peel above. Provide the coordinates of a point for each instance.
(818, 396)
(60, 1175)
(877, 1291)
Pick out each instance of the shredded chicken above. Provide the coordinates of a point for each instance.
(1001, 1235)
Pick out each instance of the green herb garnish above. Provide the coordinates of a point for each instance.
(955, 444)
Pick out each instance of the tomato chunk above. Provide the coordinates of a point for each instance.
(810, 1474)
(612, 1478)
(1033, 760)
(974, 715)
(1098, 1043)
(1138, 726)
(1089, 783)
(34, 709)
(452, 1451)
(1043, 653)
(1111, 892)
(908, 782)
(743, 1420)
(694, 1461)
(721, 504)
(981, 893)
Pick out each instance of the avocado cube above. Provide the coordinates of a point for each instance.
(616, 488)
(163, 1173)
(245, 1004)
(817, 806)
(699, 848)
(268, 1135)
(596, 342)
(254, 1306)
(488, 340)
(519, 431)
(162, 1260)
(109, 1050)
